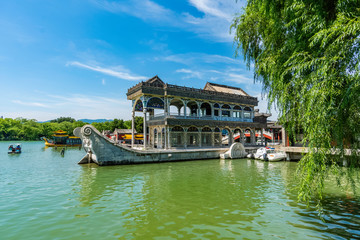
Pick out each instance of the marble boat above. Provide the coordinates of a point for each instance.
(181, 123)
(104, 151)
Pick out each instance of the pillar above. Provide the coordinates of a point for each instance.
(169, 137)
(231, 137)
(166, 110)
(144, 131)
(262, 136)
(252, 136)
(212, 138)
(185, 138)
(132, 129)
(200, 143)
(185, 106)
(242, 136)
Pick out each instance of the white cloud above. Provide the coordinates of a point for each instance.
(214, 24)
(145, 9)
(118, 72)
(238, 78)
(195, 57)
(189, 73)
(31, 104)
(74, 105)
(103, 81)
(212, 8)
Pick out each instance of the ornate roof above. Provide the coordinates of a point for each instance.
(224, 88)
(155, 81)
(212, 91)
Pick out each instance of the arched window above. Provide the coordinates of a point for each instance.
(205, 109)
(138, 106)
(155, 102)
(237, 112)
(225, 110)
(206, 136)
(247, 112)
(193, 107)
(216, 109)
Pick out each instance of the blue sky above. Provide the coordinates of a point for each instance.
(77, 58)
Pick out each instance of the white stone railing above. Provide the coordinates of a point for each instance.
(218, 118)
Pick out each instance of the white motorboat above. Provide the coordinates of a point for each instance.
(260, 153)
(269, 154)
(274, 156)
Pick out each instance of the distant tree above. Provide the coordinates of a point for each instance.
(63, 119)
(306, 55)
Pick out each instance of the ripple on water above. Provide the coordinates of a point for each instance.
(44, 196)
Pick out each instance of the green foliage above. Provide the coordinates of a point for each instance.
(306, 55)
(25, 129)
(63, 119)
(30, 129)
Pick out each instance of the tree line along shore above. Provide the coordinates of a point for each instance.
(32, 130)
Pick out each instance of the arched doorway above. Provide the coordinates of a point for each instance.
(237, 135)
(205, 110)
(155, 138)
(225, 137)
(176, 105)
(206, 136)
(193, 137)
(193, 109)
(177, 135)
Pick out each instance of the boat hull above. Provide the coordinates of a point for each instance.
(103, 151)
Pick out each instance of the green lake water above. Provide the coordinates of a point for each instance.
(46, 196)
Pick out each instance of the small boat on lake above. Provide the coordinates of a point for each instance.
(269, 154)
(274, 156)
(14, 149)
(260, 152)
(62, 139)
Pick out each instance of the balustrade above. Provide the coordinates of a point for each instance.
(207, 117)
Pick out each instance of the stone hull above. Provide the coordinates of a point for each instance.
(103, 151)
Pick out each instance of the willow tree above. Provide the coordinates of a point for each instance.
(306, 55)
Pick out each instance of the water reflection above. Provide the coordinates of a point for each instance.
(211, 199)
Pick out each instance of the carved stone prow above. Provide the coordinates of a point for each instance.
(86, 144)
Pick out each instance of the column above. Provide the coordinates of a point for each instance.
(252, 134)
(166, 110)
(198, 109)
(132, 128)
(185, 106)
(212, 138)
(262, 136)
(242, 136)
(231, 137)
(200, 140)
(169, 137)
(185, 137)
(212, 111)
(144, 127)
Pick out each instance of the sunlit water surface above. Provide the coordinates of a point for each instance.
(46, 196)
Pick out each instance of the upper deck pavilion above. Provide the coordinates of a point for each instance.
(211, 92)
(217, 108)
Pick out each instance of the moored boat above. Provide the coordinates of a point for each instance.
(104, 151)
(14, 149)
(271, 155)
(62, 139)
(276, 156)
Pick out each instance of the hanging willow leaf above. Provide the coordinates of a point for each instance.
(306, 55)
